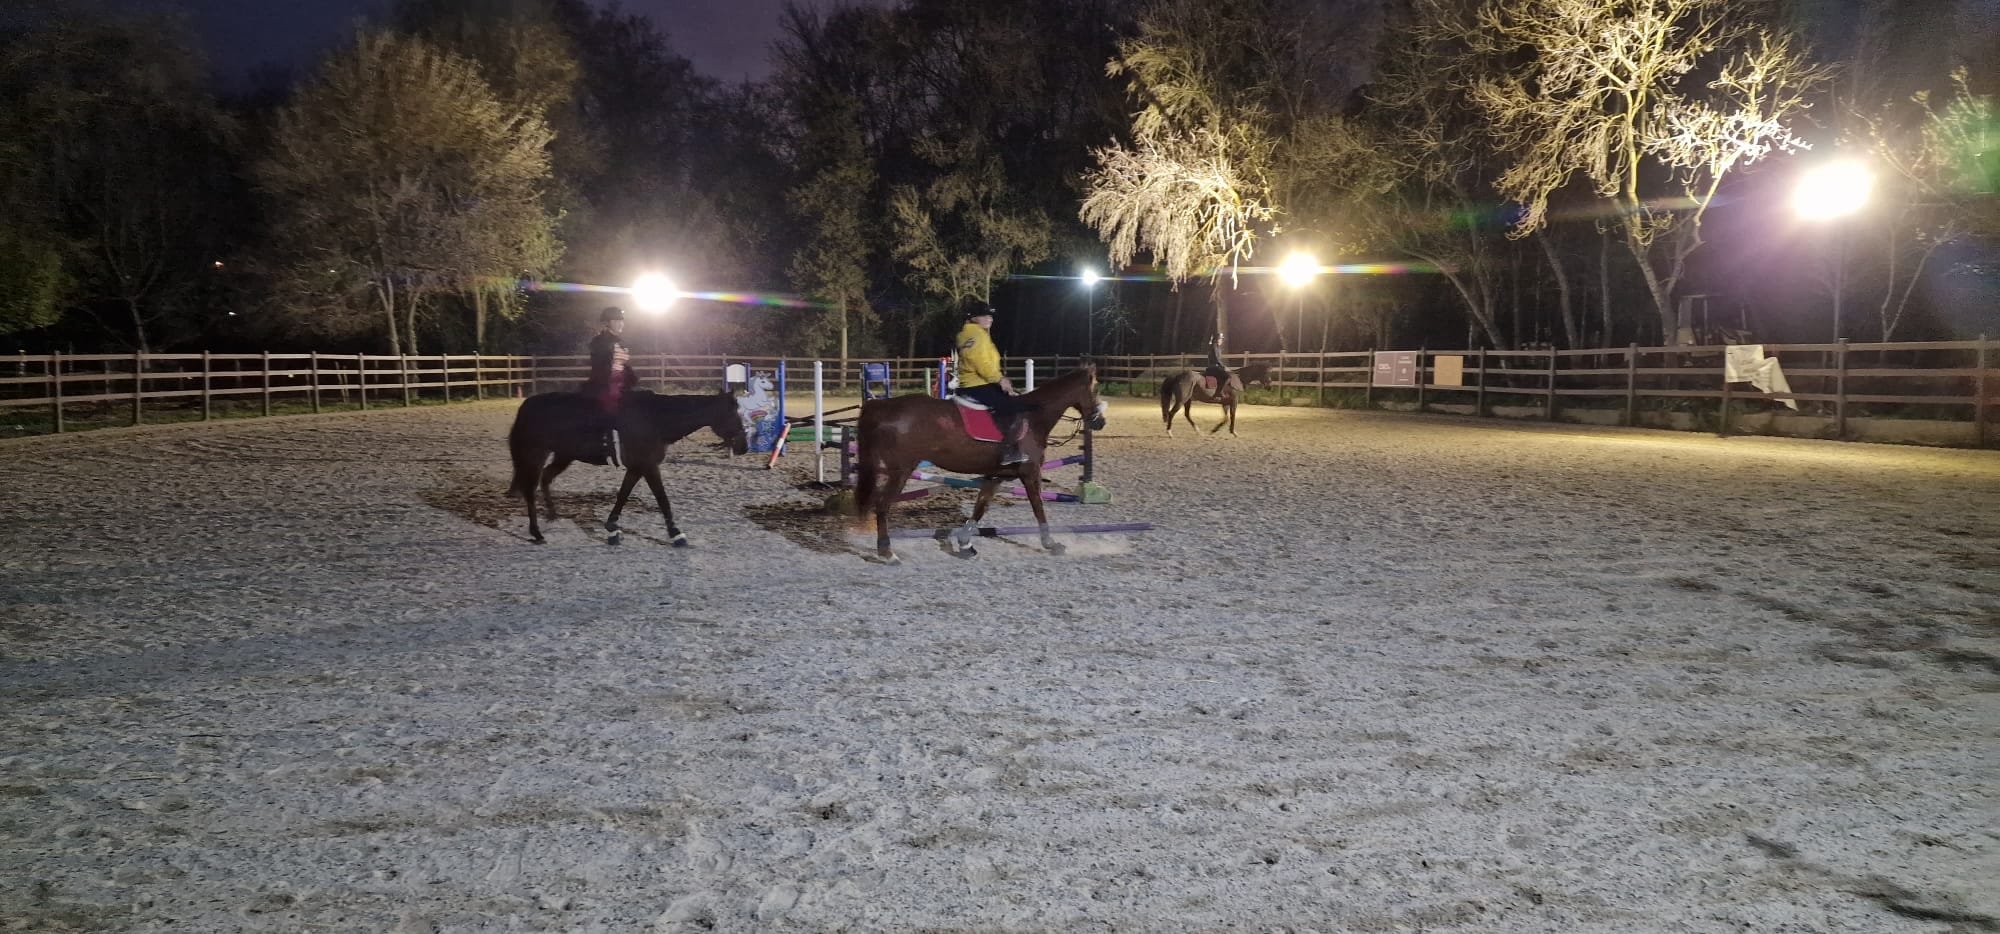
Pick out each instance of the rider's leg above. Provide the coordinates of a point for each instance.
(1013, 435)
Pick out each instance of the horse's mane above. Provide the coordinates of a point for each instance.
(1061, 384)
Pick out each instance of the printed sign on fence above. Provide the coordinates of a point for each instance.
(1395, 368)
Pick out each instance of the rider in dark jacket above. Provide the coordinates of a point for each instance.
(611, 376)
(1219, 372)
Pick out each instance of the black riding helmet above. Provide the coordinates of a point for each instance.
(975, 308)
(611, 313)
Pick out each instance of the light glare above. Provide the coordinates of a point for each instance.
(653, 293)
(1835, 189)
(1090, 278)
(1298, 269)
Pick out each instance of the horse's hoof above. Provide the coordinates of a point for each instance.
(616, 537)
(968, 552)
(680, 540)
(1056, 548)
(539, 540)
(891, 558)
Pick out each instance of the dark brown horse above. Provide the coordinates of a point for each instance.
(1179, 392)
(896, 434)
(563, 425)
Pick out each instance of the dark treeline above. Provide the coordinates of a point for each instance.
(1466, 173)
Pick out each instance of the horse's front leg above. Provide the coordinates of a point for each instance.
(614, 534)
(1228, 414)
(666, 508)
(1187, 412)
(1031, 483)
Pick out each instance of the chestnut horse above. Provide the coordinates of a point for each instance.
(563, 425)
(1179, 393)
(898, 433)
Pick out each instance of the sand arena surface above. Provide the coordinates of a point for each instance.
(1371, 673)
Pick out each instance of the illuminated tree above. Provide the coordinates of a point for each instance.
(1653, 102)
(397, 175)
(1231, 97)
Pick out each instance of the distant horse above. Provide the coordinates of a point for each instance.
(1179, 392)
(898, 433)
(563, 425)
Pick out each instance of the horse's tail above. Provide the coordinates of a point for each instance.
(864, 466)
(1168, 388)
(527, 467)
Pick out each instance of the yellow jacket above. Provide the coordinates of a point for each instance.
(978, 358)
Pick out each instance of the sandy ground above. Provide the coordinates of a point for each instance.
(1371, 673)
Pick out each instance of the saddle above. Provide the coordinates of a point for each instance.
(977, 419)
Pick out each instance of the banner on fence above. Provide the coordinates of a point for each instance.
(1448, 369)
(1746, 363)
(1395, 368)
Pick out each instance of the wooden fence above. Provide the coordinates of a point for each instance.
(1948, 383)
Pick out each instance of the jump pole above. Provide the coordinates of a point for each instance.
(819, 421)
(991, 532)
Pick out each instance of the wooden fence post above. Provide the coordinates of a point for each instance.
(1840, 391)
(478, 377)
(267, 384)
(138, 384)
(1319, 388)
(1979, 395)
(361, 378)
(404, 378)
(1549, 406)
(534, 374)
(1368, 380)
(1722, 420)
(1479, 399)
(1421, 352)
(207, 371)
(1632, 385)
(444, 373)
(55, 386)
(314, 390)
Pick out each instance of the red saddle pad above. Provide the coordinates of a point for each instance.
(978, 423)
(1208, 384)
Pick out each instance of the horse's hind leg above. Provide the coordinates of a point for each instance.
(614, 534)
(1187, 412)
(548, 477)
(889, 480)
(1228, 416)
(528, 494)
(666, 508)
(963, 537)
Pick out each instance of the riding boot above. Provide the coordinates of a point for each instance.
(1010, 447)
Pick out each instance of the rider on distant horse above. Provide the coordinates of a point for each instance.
(611, 375)
(1225, 381)
(981, 380)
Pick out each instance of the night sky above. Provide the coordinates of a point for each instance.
(727, 39)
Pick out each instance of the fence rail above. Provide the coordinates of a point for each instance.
(1951, 382)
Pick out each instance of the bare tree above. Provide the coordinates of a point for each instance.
(399, 173)
(1938, 190)
(1653, 102)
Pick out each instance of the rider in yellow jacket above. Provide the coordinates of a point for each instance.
(981, 379)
